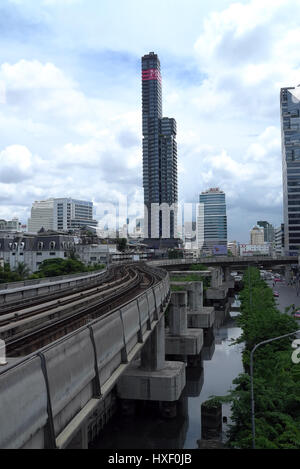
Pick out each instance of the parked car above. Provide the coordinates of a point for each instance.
(277, 279)
(276, 293)
(297, 314)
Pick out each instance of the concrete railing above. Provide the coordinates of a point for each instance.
(21, 290)
(45, 397)
(26, 283)
(224, 260)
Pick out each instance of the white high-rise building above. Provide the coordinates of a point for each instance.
(233, 247)
(70, 214)
(41, 216)
(257, 236)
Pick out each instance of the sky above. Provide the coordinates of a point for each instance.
(70, 100)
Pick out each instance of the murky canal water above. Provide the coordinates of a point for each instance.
(221, 364)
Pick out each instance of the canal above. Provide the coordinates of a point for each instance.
(220, 365)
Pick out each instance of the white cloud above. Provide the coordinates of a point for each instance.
(91, 147)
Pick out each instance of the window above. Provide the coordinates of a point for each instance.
(52, 245)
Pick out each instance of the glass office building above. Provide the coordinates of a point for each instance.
(212, 222)
(159, 156)
(290, 138)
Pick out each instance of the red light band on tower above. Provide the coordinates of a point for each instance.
(151, 74)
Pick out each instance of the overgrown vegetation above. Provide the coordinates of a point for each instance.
(175, 254)
(198, 267)
(177, 288)
(276, 377)
(122, 244)
(58, 267)
(191, 278)
(7, 275)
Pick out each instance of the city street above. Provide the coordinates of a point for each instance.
(287, 295)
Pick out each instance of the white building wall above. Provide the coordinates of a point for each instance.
(41, 216)
(254, 249)
(200, 225)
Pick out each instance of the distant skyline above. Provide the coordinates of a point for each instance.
(71, 110)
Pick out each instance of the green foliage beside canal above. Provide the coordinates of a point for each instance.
(276, 377)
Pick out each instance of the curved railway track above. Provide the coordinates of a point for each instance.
(28, 329)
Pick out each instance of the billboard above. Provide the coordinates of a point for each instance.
(220, 250)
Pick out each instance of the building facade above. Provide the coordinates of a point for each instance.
(279, 240)
(70, 214)
(159, 156)
(233, 247)
(32, 250)
(212, 222)
(10, 225)
(41, 216)
(257, 235)
(269, 231)
(255, 249)
(290, 143)
(62, 214)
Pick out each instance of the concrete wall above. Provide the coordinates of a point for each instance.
(47, 398)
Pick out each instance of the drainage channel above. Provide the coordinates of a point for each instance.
(146, 429)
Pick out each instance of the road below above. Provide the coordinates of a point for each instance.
(287, 295)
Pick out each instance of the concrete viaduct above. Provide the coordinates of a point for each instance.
(62, 395)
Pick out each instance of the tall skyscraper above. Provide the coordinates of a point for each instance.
(290, 143)
(159, 156)
(212, 222)
(269, 231)
(279, 239)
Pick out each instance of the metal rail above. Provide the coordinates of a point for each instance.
(16, 314)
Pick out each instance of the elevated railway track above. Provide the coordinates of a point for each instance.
(27, 328)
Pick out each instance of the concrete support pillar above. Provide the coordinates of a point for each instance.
(196, 299)
(178, 313)
(181, 341)
(211, 420)
(227, 275)
(216, 277)
(152, 378)
(288, 274)
(153, 352)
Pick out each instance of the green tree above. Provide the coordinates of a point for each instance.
(122, 244)
(175, 254)
(276, 378)
(7, 275)
(22, 270)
